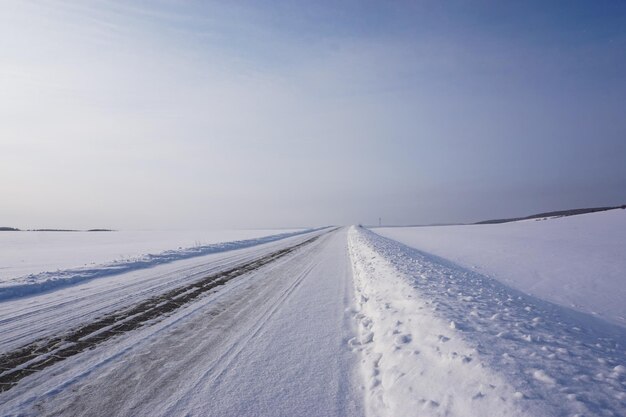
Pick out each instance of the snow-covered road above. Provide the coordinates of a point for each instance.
(28, 318)
(271, 342)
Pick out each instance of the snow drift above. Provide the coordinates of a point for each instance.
(49, 280)
(578, 261)
(440, 340)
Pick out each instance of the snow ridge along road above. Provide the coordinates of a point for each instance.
(448, 341)
(35, 283)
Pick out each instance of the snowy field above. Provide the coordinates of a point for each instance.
(24, 253)
(71, 247)
(578, 261)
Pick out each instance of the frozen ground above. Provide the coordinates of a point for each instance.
(577, 261)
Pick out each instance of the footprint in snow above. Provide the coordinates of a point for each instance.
(430, 404)
(404, 339)
(367, 338)
(354, 344)
(540, 375)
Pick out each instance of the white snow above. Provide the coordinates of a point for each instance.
(39, 255)
(414, 362)
(24, 253)
(350, 324)
(44, 314)
(271, 342)
(577, 261)
(455, 340)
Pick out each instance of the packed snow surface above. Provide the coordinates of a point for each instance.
(577, 261)
(272, 342)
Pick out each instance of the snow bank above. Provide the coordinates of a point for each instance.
(413, 362)
(24, 253)
(45, 281)
(577, 261)
(438, 339)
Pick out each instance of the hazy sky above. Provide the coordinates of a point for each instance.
(150, 114)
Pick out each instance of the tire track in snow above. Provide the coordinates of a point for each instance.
(223, 362)
(25, 322)
(297, 362)
(22, 362)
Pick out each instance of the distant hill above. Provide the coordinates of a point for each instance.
(561, 213)
(54, 230)
(70, 230)
(14, 229)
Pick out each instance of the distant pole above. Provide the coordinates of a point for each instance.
(380, 221)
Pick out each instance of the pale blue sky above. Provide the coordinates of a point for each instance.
(280, 113)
